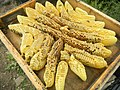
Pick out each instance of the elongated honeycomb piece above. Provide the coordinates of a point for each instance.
(63, 13)
(87, 22)
(90, 37)
(52, 59)
(86, 58)
(26, 20)
(61, 74)
(38, 61)
(35, 47)
(80, 11)
(96, 62)
(75, 15)
(27, 40)
(19, 28)
(68, 6)
(113, 38)
(41, 18)
(103, 31)
(82, 17)
(78, 26)
(65, 56)
(51, 8)
(39, 7)
(76, 66)
(60, 7)
(97, 48)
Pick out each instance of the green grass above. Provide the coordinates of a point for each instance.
(13, 66)
(25, 85)
(109, 7)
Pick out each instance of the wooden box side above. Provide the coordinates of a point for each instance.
(27, 70)
(30, 3)
(101, 81)
(110, 23)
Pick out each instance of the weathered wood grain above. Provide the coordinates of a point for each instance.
(96, 77)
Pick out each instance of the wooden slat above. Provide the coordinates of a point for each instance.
(29, 3)
(110, 23)
(28, 71)
(106, 75)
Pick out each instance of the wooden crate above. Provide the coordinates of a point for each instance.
(96, 78)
